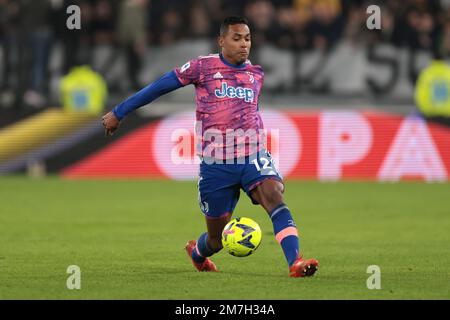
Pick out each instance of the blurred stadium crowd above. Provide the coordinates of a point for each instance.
(29, 30)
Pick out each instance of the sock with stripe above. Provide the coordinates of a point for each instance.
(202, 249)
(285, 232)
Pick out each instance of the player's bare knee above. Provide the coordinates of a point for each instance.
(274, 198)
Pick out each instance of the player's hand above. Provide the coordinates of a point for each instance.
(111, 123)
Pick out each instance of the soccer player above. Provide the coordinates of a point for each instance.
(227, 88)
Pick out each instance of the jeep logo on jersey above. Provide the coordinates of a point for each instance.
(232, 92)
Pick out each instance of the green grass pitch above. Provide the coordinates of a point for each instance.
(128, 239)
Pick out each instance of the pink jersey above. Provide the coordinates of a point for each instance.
(227, 105)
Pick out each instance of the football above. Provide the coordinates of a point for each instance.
(241, 237)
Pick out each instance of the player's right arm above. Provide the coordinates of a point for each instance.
(177, 78)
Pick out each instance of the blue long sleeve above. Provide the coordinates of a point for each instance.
(167, 83)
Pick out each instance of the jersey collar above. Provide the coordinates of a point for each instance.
(238, 66)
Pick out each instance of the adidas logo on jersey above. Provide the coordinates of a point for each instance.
(218, 75)
(232, 92)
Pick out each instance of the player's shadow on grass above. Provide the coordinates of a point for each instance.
(166, 271)
(252, 274)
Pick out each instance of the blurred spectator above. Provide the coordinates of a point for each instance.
(432, 90)
(392, 26)
(33, 41)
(9, 40)
(326, 24)
(132, 25)
(103, 24)
(356, 21)
(444, 44)
(83, 90)
(283, 34)
(421, 29)
(171, 27)
(76, 44)
(216, 13)
(261, 16)
(199, 23)
(168, 19)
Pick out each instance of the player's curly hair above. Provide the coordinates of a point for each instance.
(228, 21)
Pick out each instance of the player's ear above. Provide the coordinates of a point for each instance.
(220, 41)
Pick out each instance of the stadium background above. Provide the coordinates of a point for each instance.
(339, 101)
